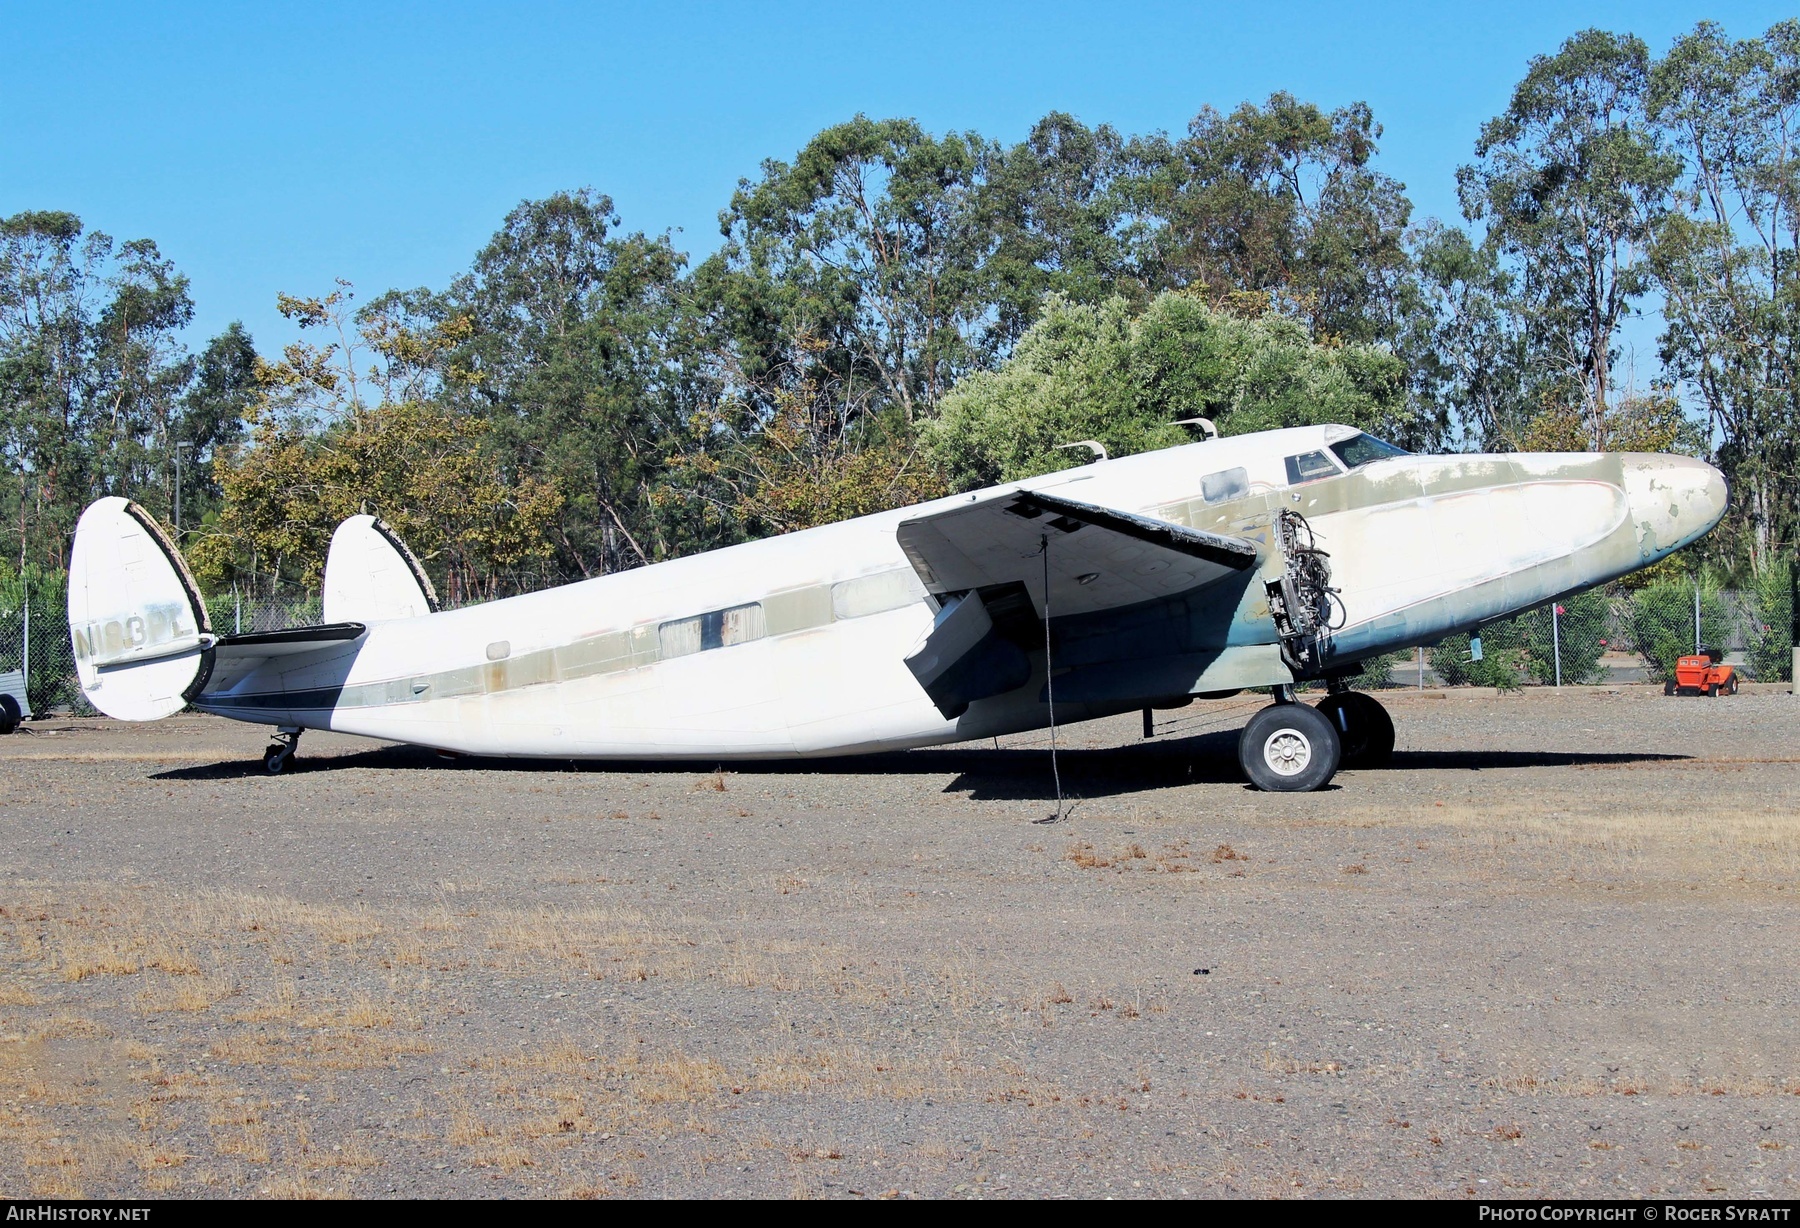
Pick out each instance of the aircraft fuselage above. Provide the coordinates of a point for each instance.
(796, 645)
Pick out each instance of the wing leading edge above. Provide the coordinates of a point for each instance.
(992, 563)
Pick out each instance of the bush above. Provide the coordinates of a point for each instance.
(1582, 632)
(1662, 623)
(1502, 658)
(1374, 672)
(1771, 638)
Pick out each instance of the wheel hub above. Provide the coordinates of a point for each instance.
(1287, 752)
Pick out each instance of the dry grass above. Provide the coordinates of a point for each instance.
(1172, 858)
(1713, 839)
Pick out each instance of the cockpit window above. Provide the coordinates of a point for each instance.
(1309, 467)
(1359, 450)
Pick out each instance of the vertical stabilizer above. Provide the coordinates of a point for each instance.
(143, 645)
(370, 576)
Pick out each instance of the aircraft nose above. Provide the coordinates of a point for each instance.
(1674, 500)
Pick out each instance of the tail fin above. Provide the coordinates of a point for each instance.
(143, 644)
(370, 575)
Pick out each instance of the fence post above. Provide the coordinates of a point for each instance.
(1696, 613)
(25, 648)
(1794, 626)
(1421, 667)
(1556, 638)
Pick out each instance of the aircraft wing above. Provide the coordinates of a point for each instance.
(1099, 558)
(991, 561)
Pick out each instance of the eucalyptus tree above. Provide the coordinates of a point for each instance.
(1277, 207)
(584, 351)
(1054, 216)
(868, 244)
(1727, 255)
(1570, 187)
(92, 372)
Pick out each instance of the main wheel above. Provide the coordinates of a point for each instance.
(10, 716)
(1289, 748)
(1364, 728)
(276, 759)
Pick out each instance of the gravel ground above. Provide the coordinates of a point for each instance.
(1550, 951)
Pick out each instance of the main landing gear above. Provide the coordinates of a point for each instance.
(280, 755)
(1365, 730)
(1289, 747)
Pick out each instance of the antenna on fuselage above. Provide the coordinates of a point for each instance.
(1099, 449)
(1205, 424)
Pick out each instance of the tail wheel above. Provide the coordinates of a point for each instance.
(277, 759)
(1289, 748)
(1364, 728)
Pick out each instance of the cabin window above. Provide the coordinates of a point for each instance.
(718, 629)
(1309, 467)
(1360, 450)
(1226, 484)
(876, 594)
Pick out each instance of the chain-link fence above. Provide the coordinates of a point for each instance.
(1627, 635)
(1601, 637)
(35, 642)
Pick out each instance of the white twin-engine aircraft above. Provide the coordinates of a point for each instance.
(1144, 582)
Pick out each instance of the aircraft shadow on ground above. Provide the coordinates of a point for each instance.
(983, 774)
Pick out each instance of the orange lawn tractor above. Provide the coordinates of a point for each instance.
(1703, 673)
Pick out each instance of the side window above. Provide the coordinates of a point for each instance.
(1309, 467)
(1227, 484)
(718, 629)
(876, 594)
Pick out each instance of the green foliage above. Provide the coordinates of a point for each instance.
(1107, 373)
(1770, 655)
(1662, 623)
(1503, 658)
(1373, 676)
(1570, 183)
(1580, 631)
(1727, 256)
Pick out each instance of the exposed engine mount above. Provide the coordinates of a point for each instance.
(1302, 601)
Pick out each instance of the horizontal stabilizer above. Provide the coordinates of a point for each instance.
(291, 642)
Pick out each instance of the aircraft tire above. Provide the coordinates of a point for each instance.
(277, 759)
(10, 716)
(1289, 748)
(1365, 730)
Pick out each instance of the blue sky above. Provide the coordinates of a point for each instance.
(275, 147)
